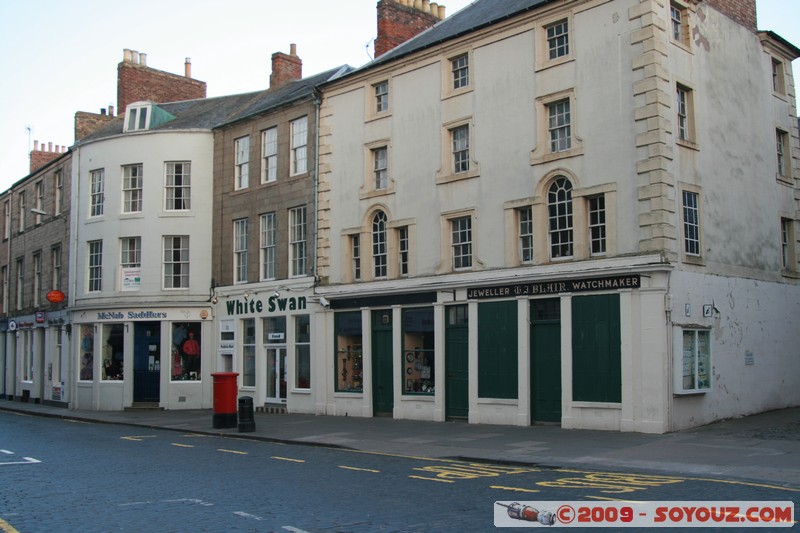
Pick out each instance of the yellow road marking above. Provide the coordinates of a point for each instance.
(182, 445)
(360, 469)
(6, 527)
(515, 489)
(231, 451)
(288, 459)
(432, 479)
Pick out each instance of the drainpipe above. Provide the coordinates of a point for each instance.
(317, 104)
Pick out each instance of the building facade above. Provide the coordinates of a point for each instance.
(526, 216)
(35, 332)
(264, 261)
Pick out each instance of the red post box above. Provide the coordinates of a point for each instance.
(225, 391)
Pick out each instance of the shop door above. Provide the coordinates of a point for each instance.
(382, 380)
(546, 360)
(276, 375)
(147, 361)
(596, 349)
(456, 387)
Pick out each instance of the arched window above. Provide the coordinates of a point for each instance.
(379, 244)
(559, 214)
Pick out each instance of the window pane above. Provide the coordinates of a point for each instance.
(462, 242)
(558, 39)
(559, 205)
(303, 351)
(419, 376)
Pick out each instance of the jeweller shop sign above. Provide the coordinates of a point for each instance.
(631, 281)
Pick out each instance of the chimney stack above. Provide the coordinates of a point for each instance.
(187, 68)
(285, 67)
(401, 20)
(41, 155)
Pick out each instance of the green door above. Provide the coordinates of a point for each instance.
(546, 360)
(596, 349)
(382, 382)
(456, 386)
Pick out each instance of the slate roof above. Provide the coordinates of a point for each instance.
(479, 14)
(211, 113)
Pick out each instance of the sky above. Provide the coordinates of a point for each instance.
(59, 57)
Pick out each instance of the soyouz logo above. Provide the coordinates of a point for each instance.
(644, 514)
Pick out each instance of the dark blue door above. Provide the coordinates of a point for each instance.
(146, 361)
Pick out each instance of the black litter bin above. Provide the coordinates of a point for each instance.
(247, 422)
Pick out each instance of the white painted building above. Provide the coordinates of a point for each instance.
(580, 212)
(141, 318)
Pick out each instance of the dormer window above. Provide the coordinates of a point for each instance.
(138, 117)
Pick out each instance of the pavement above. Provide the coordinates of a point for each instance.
(763, 447)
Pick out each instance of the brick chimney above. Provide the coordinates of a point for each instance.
(741, 11)
(137, 82)
(400, 20)
(285, 68)
(40, 157)
(87, 123)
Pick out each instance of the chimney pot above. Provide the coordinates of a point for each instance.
(143, 59)
(418, 5)
(134, 56)
(426, 6)
(441, 12)
(50, 146)
(35, 146)
(187, 67)
(293, 49)
(126, 55)
(102, 110)
(111, 110)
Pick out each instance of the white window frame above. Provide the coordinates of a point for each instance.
(459, 71)
(380, 168)
(37, 279)
(598, 240)
(699, 378)
(299, 146)
(267, 246)
(525, 233)
(132, 188)
(178, 186)
(94, 264)
(557, 36)
(55, 267)
(23, 208)
(298, 235)
(355, 253)
(20, 283)
(691, 223)
(96, 192)
(679, 24)
(269, 155)
(559, 125)
(561, 225)
(38, 200)
(241, 149)
(240, 250)
(403, 251)
(462, 242)
(138, 117)
(176, 262)
(58, 179)
(130, 252)
(379, 235)
(381, 94)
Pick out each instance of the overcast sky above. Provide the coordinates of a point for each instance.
(58, 57)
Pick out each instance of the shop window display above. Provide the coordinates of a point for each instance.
(87, 352)
(113, 350)
(186, 351)
(418, 356)
(349, 356)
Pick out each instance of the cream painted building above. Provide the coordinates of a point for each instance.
(578, 212)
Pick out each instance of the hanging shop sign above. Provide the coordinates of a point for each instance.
(631, 281)
(55, 297)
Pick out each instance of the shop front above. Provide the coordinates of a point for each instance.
(35, 361)
(143, 357)
(574, 351)
(267, 338)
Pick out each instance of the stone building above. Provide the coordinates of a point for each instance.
(582, 212)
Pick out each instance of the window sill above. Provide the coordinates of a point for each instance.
(551, 63)
(378, 116)
(376, 193)
(454, 93)
(298, 175)
(784, 180)
(301, 391)
(684, 394)
(597, 405)
(443, 179)
(688, 144)
(694, 260)
(555, 156)
(683, 46)
(793, 274)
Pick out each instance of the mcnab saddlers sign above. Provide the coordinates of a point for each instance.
(632, 281)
